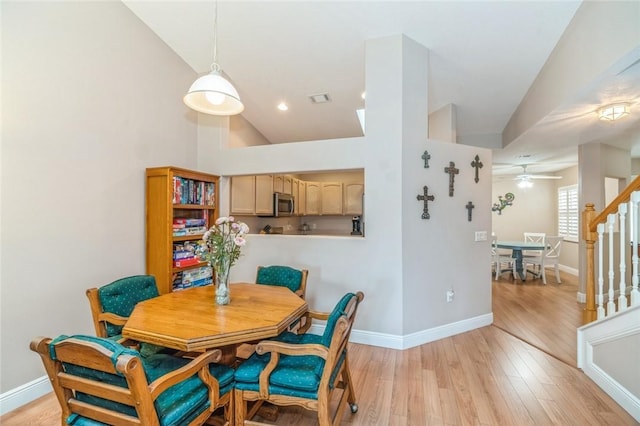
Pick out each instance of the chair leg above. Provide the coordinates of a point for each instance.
(239, 408)
(558, 274)
(544, 276)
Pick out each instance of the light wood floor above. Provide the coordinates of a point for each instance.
(483, 377)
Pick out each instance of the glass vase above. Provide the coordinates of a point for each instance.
(222, 282)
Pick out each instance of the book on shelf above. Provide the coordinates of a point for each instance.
(195, 277)
(194, 230)
(189, 191)
(181, 263)
(183, 254)
(183, 222)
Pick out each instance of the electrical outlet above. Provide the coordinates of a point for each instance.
(450, 296)
(481, 235)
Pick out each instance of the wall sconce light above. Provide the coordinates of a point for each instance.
(613, 112)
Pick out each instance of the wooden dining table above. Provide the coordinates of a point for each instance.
(517, 247)
(190, 320)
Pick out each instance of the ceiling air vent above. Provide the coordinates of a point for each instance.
(320, 99)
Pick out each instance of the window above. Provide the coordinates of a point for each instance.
(568, 212)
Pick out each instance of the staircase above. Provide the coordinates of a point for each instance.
(609, 342)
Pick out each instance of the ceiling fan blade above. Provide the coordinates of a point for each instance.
(544, 177)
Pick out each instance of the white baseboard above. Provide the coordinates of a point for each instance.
(23, 394)
(415, 339)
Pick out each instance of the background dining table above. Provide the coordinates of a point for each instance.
(517, 247)
(190, 320)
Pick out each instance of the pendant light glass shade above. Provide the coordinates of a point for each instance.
(213, 94)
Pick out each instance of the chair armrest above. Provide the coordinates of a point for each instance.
(318, 315)
(307, 318)
(299, 349)
(197, 365)
(112, 318)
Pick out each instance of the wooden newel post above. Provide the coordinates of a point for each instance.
(588, 214)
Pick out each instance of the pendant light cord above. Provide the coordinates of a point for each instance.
(214, 66)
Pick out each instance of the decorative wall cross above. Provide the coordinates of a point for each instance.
(469, 207)
(477, 164)
(426, 157)
(426, 198)
(452, 172)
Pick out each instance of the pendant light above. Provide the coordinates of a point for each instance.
(212, 93)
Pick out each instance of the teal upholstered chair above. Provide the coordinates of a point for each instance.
(112, 304)
(285, 276)
(100, 382)
(301, 369)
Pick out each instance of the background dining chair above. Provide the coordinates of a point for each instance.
(98, 380)
(307, 370)
(500, 258)
(285, 276)
(550, 257)
(533, 257)
(112, 304)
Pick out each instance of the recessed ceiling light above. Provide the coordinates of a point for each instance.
(320, 98)
(282, 106)
(363, 95)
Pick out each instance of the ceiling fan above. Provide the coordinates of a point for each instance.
(524, 179)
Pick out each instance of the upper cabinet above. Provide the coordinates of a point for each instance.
(313, 204)
(352, 203)
(283, 183)
(340, 196)
(252, 195)
(331, 198)
(243, 195)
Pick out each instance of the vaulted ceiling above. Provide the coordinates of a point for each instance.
(484, 58)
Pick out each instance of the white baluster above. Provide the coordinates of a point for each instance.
(635, 295)
(600, 310)
(611, 305)
(622, 297)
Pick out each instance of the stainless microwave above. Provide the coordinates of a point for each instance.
(282, 204)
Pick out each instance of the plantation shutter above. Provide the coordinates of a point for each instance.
(568, 212)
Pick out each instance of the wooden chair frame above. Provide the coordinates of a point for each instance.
(326, 389)
(140, 394)
(99, 317)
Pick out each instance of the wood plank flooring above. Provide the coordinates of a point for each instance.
(483, 377)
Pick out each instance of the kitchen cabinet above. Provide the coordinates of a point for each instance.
(282, 183)
(301, 201)
(252, 195)
(264, 194)
(278, 183)
(313, 202)
(243, 195)
(331, 198)
(352, 204)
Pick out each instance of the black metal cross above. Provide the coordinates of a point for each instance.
(452, 172)
(477, 164)
(469, 207)
(426, 157)
(426, 198)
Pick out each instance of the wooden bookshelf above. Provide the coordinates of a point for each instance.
(162, 208)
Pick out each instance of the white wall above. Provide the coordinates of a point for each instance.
(90, 98)
(404, 263)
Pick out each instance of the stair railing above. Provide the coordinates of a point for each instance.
(595, 226)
